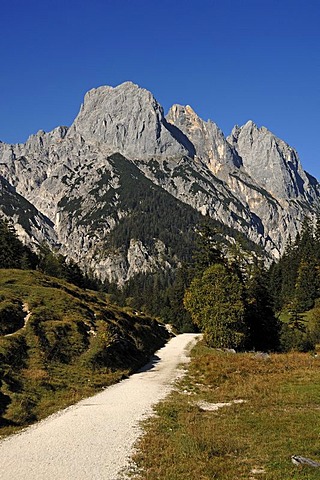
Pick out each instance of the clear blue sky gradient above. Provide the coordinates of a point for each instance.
(231, 60)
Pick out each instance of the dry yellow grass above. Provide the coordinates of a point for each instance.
(250, 440)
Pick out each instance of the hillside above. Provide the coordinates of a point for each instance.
(59, 343)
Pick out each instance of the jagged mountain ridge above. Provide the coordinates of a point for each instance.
(31, 225)
(251, 181)
(262, 152)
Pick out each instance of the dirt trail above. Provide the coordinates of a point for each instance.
(94, 439)
(25, 308)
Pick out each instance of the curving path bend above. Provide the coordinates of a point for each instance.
(93, 440)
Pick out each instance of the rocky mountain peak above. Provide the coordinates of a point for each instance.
(102, 209)
(209, 141)
(179, 112)
(129, 120)
(269, 161)
(249, 128)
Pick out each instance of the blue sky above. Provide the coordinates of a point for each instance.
(231, 60)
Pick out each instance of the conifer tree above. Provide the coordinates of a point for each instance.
(263, 326)
(306, 241)
(306, 285)
(274, 285)
(11, 249)
(207, 249)
(289, 266)
(177, 314)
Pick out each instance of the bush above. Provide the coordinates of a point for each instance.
(11, 316)
(294, 339)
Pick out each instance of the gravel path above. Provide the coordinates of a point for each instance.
(93, 439)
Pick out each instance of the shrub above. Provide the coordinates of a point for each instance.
(294, 339)
(11, 316)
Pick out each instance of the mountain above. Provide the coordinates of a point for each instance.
(273, 163)
(127, 119)
(121, 190)
(32, 226)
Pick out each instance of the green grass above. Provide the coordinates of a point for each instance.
(279, 418)
(74, 343)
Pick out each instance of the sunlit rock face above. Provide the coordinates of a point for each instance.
(272, 163)
(209, 142)
(128, 119)
(82, 188)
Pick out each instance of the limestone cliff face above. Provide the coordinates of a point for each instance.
(71, 186)
(261, 171)
(31, 225)
(127, 119)
(272, 163)
(208, 140)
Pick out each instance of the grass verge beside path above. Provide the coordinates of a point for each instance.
(253, 439)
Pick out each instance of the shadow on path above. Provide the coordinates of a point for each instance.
(149, 366)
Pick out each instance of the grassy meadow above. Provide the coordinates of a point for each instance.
(278, 415)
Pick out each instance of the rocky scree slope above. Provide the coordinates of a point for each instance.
(122, 158)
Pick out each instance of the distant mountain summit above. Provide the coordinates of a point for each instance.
(208, 140)
(122, 189)
(272, 163)
(128, 120)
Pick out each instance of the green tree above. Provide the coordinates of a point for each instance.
(73, 274)
(13, 254)
(215, 302)
(314, 324)
(11, 249)
(51, 263)
(294, 334)
(306, 241)
(264, 328)
(288, 267)
(177, 314)
(306, 285)
(294, 339)
(295, 277)
(274, 285)
(207, 248)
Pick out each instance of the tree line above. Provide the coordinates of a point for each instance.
(223, 290)
(231, 296)
(294, 283)
(295, 279)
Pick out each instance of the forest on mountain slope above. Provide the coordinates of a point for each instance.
(239, 303)
(222, 287)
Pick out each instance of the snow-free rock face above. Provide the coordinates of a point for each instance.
(32, 226)
(121, 189)
(127, 119)
(271, 162)
(209, 142)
